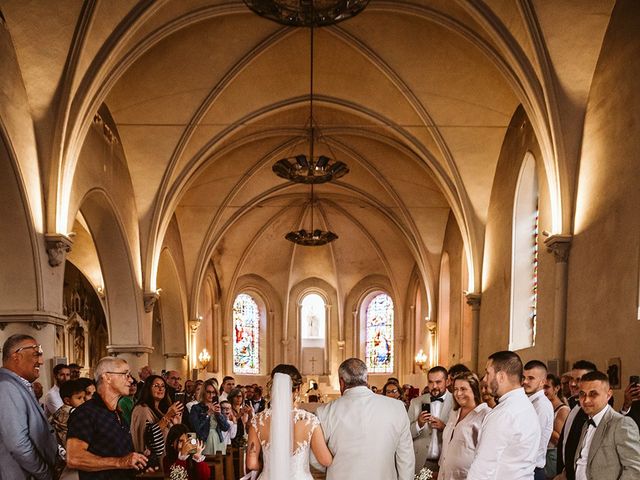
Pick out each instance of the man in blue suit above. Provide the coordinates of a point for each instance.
(28, 444)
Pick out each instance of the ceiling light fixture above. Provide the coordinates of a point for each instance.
(307, 13)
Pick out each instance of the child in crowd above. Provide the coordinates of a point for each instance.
(72, 393)
(227, 411)
(184, 455)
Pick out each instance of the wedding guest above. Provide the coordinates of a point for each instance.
(565, 380)
(89, 387)
(127, 402)
(197, 393)
(631, 405)
(427, 414)
(242, 414)
(535, 376)
(553, 391)
(609, 446)
(154, 407)
(172, 379)
(228, 384)
(74, 370)
(485, 393)
(52, 400)
(460, 436)
(38, 391)
(454, 370)
(73, 396)
(258, 402)
(184, 457)
(207, 420)
(393, 390)
(27, 442)
(510, 435)
(230, 433)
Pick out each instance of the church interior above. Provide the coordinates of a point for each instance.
(490, 199)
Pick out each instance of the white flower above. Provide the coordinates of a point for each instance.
(179, 473)
(424, 474)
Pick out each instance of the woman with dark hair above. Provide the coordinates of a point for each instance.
(153, 407)
(242, 414)
(184, 455)
(553, 391)
(285, 433)
(392, 389)
(208, 421)
(460, 436)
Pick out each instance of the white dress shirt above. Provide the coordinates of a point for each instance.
(509, 440)
(52, 401)
(544, 410)
(459, 442)
(581, 463)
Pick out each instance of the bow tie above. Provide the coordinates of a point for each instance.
(591, 423)
(439, 399)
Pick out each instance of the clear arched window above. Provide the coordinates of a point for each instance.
(524, 261)
(379, 334)
(313, 315)
(246, 335)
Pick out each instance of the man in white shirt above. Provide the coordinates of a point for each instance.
(228, 384)
(535, 376)
(428, 415)
(510, 434)
(609, 447)
(52, 400)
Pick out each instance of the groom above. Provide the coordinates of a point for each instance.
(367, 434)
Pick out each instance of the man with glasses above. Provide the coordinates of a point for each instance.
(99, 442)
(28, 443)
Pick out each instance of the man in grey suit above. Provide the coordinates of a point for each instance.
(367, 434)
(428, 415)
(28, 446)
(609, 447)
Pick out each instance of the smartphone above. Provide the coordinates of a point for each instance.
(426, 407)
(193, 441)
(634, 379)
(180, 397)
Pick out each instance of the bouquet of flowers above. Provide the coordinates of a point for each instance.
(424, 474)
(178, 472)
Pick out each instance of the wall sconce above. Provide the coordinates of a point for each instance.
(204, 358)
(421, 360)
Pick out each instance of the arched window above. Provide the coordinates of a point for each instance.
(246, 335)
(379, 334)
(313, 315)
(524, 261)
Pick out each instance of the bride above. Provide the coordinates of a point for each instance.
(285, 433)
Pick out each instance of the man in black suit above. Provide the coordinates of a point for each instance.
(570, 435)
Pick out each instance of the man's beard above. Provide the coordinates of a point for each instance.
(493, 388)
(435, 393)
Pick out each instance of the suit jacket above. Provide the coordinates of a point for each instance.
(614, 453)
(368, 435)
(422, 438)
(634, 412)
(569, 440)
(28, 445)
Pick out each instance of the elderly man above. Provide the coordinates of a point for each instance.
(99, 442)
(28, 443)
(367, 434)
(510, 436)
(52, 400)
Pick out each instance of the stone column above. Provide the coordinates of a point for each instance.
(137, 356)
(559, 245)
(177, 361)
(42, 327)
(474, 300)
(192, 351)
(226, 339)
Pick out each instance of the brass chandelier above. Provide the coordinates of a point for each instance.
(307, 13)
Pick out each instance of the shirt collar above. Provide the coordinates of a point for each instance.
(513, 393)
(537, 395)
(597, 418)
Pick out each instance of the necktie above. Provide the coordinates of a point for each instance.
(591, 423)
(439, 399)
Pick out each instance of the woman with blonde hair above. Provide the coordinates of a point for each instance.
(284, 433)
(460, 436)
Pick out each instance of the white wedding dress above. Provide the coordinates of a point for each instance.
(304, 424)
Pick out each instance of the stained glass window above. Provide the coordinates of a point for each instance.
(313, 315)
(379, 334)
(534, 277)
(246, 335)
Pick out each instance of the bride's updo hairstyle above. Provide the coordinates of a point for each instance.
(296, 378)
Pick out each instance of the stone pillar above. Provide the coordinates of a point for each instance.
(474, 300)
(42, 327)
(178, 362)
(137, 356)
(226, 339)
(192, 350)
(559, 245)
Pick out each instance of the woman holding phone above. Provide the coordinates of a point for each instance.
(208, 421)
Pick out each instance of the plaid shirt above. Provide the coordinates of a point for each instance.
(106, 434)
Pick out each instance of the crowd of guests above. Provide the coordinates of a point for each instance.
(520, 421)
(514, 422)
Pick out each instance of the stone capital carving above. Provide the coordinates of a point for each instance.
(225, 339)
(559, 245)
(175, 355)
(137, 350)
(285, 341)
(431, 326)
(150, 299)
(194, 324)
(341, 344)
(58, 245)
(473, 300)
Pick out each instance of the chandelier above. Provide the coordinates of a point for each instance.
(307, 13)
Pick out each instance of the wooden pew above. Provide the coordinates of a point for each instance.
(216, 464)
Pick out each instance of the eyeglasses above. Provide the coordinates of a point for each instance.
(392, 391)
(126, 374)
(159, 386)
(37, 349)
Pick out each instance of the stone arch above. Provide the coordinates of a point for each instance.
(124, 309)
(444, 310)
